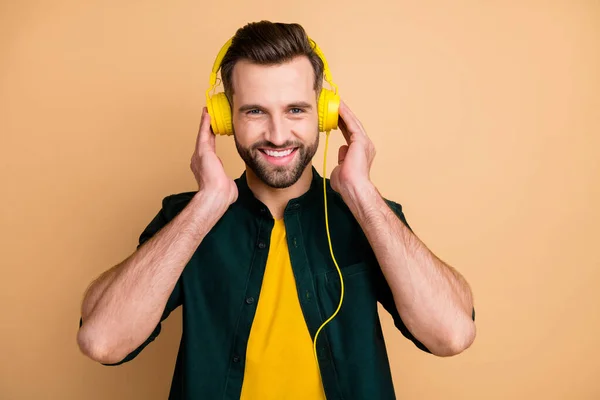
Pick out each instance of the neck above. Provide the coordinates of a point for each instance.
(277, 199)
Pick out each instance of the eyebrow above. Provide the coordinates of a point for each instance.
(299, 104)
(247, 107)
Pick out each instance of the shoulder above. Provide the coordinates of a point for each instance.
(335, 200)
(395, 206)
(173, 204)
(339, 201)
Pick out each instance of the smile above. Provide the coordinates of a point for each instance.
(278, 153)
(279, 157)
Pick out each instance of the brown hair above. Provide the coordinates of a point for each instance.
(269, 43)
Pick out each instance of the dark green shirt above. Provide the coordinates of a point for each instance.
(219, 290)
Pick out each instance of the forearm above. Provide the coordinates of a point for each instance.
(433, 299)
(123, 306)
(96, 289)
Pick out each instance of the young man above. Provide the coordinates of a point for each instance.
(249, 259)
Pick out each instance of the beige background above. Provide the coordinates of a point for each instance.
(485, 115)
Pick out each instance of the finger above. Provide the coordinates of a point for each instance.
(198, 134)
(206, 139)
(353, 125)
(354, 117)
(344, 130)
(200, 127)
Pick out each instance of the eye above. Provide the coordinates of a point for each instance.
(296, 110)
(253, 111)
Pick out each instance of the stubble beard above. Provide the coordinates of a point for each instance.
(278, 177)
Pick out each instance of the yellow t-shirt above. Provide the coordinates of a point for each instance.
(280, 362)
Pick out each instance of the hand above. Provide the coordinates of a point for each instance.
(208, 167)
(355, 157)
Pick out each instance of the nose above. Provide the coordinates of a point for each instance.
(277, 131)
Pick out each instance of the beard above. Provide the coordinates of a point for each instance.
(283, 176)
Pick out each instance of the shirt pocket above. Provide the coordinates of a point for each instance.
(359, 304)
(356, 326)
(348, 271)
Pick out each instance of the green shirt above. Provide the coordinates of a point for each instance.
(220, 288)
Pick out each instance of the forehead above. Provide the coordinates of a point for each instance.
(287, 82)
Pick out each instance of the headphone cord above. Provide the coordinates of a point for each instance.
(330, 248)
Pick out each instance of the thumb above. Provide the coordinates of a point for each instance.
(333, 180)
(342, 153)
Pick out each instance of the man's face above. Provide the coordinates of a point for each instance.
(275, 119)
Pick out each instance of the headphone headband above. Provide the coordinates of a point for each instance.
(225, 47)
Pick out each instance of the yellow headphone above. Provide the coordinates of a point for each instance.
(220, 110)
(328, 107)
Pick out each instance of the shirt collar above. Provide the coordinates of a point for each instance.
(247, 199)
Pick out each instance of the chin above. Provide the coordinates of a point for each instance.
(278, 177)
(282, 173)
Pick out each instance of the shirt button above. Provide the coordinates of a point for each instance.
(307, 296)
(236, 359)
(250, 300)
(261, 245)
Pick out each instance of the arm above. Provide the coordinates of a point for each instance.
(432, 298)
(124, 305)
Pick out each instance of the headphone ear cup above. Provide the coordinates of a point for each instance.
(220, 114)
(329, 105)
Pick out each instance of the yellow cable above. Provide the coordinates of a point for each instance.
(330, 249)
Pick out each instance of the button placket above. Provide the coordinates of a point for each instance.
(248, 301)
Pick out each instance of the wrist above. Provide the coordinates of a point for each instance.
(363, 199)
(209, 206)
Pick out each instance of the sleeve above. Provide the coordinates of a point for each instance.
(385, 295)
(175, 299)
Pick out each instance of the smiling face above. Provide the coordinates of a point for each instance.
(275, 119)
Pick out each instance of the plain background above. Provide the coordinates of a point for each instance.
(486, 121)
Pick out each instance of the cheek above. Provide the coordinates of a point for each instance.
(246, 131)
(305, 127)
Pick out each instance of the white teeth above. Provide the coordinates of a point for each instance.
(273, 153)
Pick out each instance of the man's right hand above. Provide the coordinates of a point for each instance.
(208, 167)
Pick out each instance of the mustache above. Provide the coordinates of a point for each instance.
(265, 144)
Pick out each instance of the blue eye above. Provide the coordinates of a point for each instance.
(254, 111)
(296, 109)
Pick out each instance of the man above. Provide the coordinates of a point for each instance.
(249, 259)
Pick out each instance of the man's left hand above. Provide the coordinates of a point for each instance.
(354, 158)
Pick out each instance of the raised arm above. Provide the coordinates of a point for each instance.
(122, 307)
(433, 299)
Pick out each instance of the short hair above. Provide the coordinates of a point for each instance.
(269, 43)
